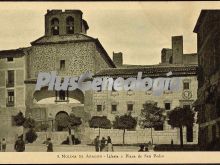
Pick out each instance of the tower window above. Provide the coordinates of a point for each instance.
(62, 64)
(55, 26)
(70, 25)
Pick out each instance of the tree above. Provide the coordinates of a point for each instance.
(31, 136)
(27, 122)
(151, 117)
(19, 119)
(124, 122)
(100, 122)
(69, 122)
(180, 117)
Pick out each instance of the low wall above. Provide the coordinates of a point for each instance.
(56, 137)
(141, 136)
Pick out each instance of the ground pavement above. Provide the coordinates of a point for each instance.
(69, 148)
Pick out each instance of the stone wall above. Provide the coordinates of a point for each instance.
(141, 136)
(79, 58)
(56, 137)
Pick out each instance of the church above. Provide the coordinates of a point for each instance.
(67, 49)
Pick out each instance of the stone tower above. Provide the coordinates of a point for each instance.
(58, 22)
(177, 49)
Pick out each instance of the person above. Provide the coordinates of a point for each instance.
(3, 145)
(49, 145)
(150, 146)
(109, 144)
(19, 145)
(97, 144)
(102, 146)
(141, 148)
(146, 148)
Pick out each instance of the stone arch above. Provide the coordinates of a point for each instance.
(55, 26)
(70, 25)
(77, 94)
(44, 96)
(62, 115)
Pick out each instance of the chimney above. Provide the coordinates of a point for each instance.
(177, 49)
(118, 59)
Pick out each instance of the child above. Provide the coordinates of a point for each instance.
(3, 145)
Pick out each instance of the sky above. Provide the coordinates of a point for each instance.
(137, 29)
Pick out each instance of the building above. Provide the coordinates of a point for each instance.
(68, 50)
(208, 39)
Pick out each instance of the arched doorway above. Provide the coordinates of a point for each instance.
(61, 121)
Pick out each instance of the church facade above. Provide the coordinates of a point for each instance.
(67, 49)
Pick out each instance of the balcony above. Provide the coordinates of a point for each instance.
(10, 103)
(10, 84)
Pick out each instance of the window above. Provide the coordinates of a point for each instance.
(171, 60)
(130, 107)
(167, 106)
(10, 80)
(10, 59)
(185, 85)
(62, 95)
(10, 98)
(55, 26)
(189, 133)
(114, 108)
(99, 108)
(62, 64)
(70, 25)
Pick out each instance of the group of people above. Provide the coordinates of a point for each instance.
(20, 145)
(103, 145)
(148, 147)
(3, 145)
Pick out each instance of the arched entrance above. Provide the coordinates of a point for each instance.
(61, 121)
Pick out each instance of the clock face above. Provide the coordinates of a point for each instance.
(187, 94)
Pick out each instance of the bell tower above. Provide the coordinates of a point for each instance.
(68, 22)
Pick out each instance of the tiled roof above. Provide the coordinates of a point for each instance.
(150, 71)
(12, 53)
(61, 39)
